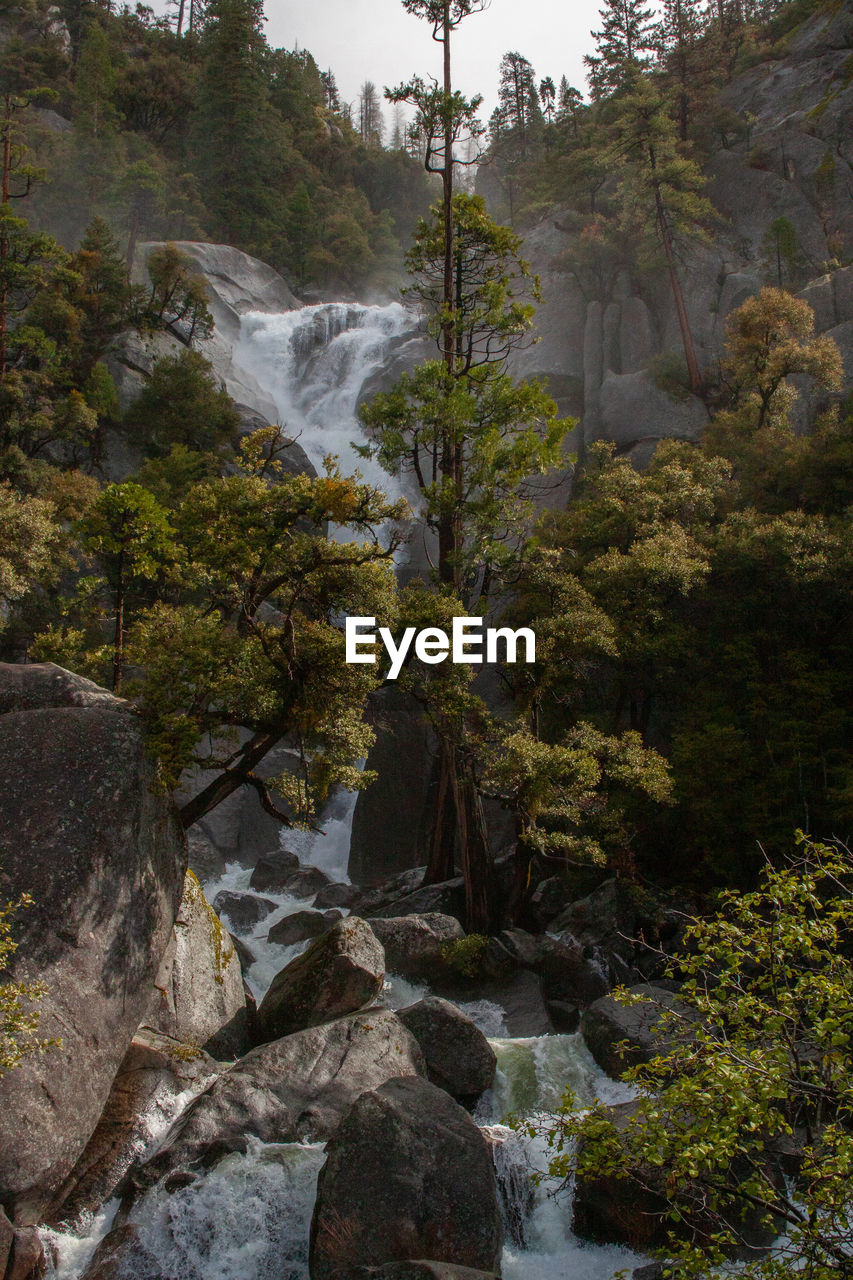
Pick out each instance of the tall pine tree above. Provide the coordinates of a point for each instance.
(623, 44)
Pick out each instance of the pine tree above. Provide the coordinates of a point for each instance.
(624, 42)
(569, 101)
(236, 135)
(370, 123)
(517, 94)
(547, 95)
(678, 35)
(95, 85)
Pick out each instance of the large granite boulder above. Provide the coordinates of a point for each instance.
(200, 982)
(103, 856)
(620, 1036)
(149, 1091)
(271, 872)
(341, 972)
(413, 944)
(242, 910)
(296, 1089)
(419, 1270)
(303, 925)
(408, 1175)
(459, 1058)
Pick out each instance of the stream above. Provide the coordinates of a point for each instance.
(248, 1217)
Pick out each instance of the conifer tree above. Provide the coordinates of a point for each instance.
(678, 36)
(623, 45)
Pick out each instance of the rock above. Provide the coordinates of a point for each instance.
(519, 996)
(271, 872)
(526, 949)
(339, 973)
(27, 1259)
(242, 910)
(296, 1089)
(413, 943)
(408, 1174)
(446, 899)
(245, 954)
(548, 899)
(458, 1056)
(152, 1082)
(606, 1024)
(200, 982)
(121, 1255)
(337, 895)
(7, 1239)
(102, 854)
(604, 925)
(302, 925)
(305, 882)
(389, 891)
(633, 408)
(573, 974)
(565, 1017)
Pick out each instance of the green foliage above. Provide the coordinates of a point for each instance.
(29, 538)
(466, 956)
(760, 1062)
(182, 404)
(19, 1015)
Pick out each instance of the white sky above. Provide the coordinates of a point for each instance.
(377, 40)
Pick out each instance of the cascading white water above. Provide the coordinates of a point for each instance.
(313, 364)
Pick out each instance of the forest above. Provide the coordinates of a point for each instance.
(661, 801)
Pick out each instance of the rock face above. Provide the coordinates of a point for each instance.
(302, 925)
(104, 859)
(297, 1089)
(606, 1024)
(459, 1058)
(155, 1073)
(242, 910)
(414, 1271)
(200, 982)
(408, 1174)
(413, 943)
(271, 872)
(342, 971)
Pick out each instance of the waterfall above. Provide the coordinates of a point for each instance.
(313, 364)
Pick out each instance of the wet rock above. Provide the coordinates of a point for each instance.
(302, 925)
(200, 982)
(606, 1024)
(413, 943)
(408, 1174)
(367, 904)
(245, 954)
(103, 857)
(458, 1056)
(272, 871)
(573, 974)
(121, 1256)
(155, 1075)
(242, 910)
(519, 997)
(296, 1089)
(336, 895)
(565, 1017)
(339, 973)
(305, 882)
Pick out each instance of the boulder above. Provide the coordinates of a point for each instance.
(296, 1089)
(27, 1259)
(447, 898)
(373, 900)
(573, 974)
(337, 895)
(305, 882)
(149, 1091)
(271, 872)
(606, 1024)
(242, 910)
(7, 1239)
(200, 982)
(103, 856)
(413, 944)
(339, 973)
(408, 1175)
(302, 925)
(459, 1058)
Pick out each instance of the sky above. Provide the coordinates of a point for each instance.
(377, 40)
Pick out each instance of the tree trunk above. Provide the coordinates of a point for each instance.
(683, 319)
(227, 782)
(118, 639)
(441, 863)
(4, 239)
(180, 23)
(474, 850)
